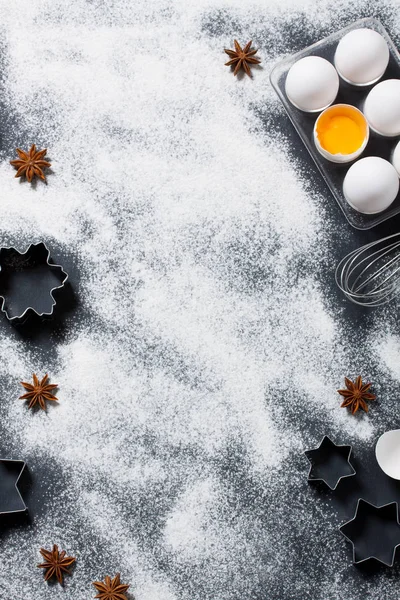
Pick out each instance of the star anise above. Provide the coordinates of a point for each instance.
(111, 589)
(30, 163)
(242, 58)
(56, 563)
(39, 392)
(356, 395)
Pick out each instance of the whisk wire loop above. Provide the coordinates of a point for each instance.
(370, 275)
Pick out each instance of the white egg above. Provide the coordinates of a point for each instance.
(312, 84)
(382, 108)
(371, 185)
(362, 56)
(396, 158)
(387, 453)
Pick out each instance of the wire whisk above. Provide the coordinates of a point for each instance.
(370, 275)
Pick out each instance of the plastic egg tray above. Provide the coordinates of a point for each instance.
(303, 122)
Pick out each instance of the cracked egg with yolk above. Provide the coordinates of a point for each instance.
(341, 133)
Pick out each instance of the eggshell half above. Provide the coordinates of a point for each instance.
(340, 158)
(387, 453)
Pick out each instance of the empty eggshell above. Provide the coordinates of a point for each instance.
(362, 56)
(371, 185)
(382, 108)
(312, 84)
(387, 453)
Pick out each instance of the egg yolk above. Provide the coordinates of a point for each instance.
(341, 130)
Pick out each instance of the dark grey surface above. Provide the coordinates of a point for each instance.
(301, 540)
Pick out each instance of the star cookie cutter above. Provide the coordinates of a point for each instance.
(11, 501)
(330, 463)
(374, 532)
(28, 281)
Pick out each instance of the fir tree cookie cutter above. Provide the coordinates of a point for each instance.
(330, 463)
(374, 532)
(28, 281)
(11, 501)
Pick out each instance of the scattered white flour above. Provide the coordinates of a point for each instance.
(208, 343)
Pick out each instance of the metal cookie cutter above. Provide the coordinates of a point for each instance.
(28, 281)
(374, 532)
(10, 497)
(330, 463)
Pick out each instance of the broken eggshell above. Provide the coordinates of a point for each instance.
(387, 452)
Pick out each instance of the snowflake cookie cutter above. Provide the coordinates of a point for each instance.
(28, 281)
(330, 463)
(374, 532)
(11, 501)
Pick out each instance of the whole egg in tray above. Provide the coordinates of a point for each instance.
(343, 96)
